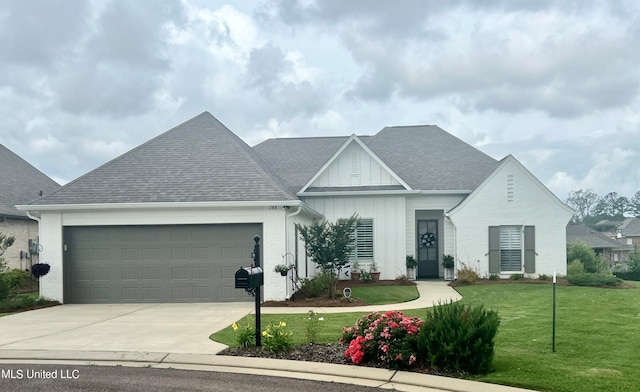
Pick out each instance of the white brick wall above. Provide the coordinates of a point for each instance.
(531, 204)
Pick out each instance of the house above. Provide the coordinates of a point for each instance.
(610, 249)
(628, 232)
(173, 219)
(20, 183)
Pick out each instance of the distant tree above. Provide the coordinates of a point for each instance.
(634, 205)
(582, 201)
(612, 205)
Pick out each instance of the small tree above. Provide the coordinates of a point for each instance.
(329, 245)
(5, 242)
(585, 254)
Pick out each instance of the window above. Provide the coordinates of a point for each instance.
(512, 249)
(363, 244)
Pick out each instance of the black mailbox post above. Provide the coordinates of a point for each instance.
(250, 279)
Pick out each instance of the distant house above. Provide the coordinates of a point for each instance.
(610, 249)
(20, 183)
(174, 218)
(628, 232)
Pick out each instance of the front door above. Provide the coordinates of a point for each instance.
(427, 248)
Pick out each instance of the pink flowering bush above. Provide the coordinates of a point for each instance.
(388, 339)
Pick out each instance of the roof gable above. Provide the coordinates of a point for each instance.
(198, 161)
(20, 183)
(354, 165)
(510, 162)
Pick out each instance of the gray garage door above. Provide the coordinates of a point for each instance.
(182, 263)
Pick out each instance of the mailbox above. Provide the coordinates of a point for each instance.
(249, 278)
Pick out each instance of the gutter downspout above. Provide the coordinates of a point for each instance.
(286, 244)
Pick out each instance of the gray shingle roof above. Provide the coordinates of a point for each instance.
(630, 227)
(428, 158)
(20, 183)
(198, 161)
(580, 232)
(296, 160)
(425, 157)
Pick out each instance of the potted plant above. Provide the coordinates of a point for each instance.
(282, 268)
(448, 263)
(355, 270)
(375, 274)
(411, 264)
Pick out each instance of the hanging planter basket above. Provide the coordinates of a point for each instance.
(40, 269)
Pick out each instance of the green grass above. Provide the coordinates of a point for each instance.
(379, 295)
(597, 335)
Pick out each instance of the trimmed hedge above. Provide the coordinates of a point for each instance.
(459, 338)
(629, 275)
(595, 280)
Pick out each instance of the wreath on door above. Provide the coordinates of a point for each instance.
(428, 240)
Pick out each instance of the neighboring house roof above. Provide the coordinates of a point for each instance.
(20, 183)
(630, 227)
(197, 161)
(583, 233)
(425, 157)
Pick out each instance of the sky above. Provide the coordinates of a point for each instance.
(554, 83)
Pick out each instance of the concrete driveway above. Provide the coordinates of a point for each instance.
(174, 328)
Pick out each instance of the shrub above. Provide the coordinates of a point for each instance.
(597, 280)
(585, 253)
(543, 277)
(634, 260)
(459, 338)
(575, 267)
(277, 338)
(629, 275)
(516, 276)
(388, 339)
(494, 277)
(366, 276)
(10, 281)
(315, 286)
(466, 274)
(245, 334)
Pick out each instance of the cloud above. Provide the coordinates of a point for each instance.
(564, 60)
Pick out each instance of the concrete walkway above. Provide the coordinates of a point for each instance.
(100, 341)
(431, 293)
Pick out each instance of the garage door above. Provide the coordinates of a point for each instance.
(182, 263)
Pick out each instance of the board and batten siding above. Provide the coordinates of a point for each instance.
(436, 203)
(388, 214)
(512, 196)
(354, 167)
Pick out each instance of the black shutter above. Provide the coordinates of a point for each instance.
(530, 249)
(494, 249)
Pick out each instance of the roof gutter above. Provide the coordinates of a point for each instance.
(206, 204)
(387, 192)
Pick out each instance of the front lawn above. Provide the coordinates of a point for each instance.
(24, 301)
(380, 295)
(597, 336)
